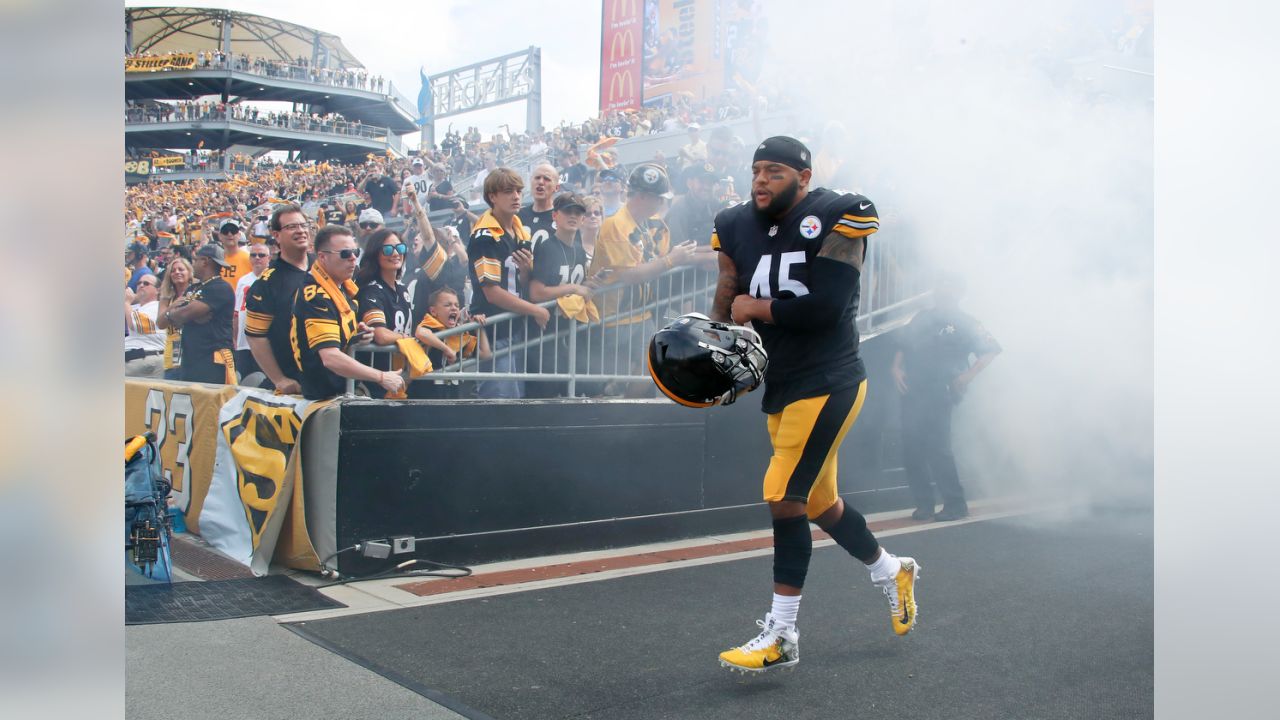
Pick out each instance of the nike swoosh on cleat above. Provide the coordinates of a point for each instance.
(769, 663)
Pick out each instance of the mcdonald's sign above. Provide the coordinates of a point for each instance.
(623, 26)
(622, 46)
(623, 10)
(621, 87)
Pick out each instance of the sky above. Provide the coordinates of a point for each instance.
(396, 39)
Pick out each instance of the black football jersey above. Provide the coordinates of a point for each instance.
(773, 259)
(555, 263)
(269, 310)
(201, 340)
(383, 306)
(491, 264)
(317, 324)
(539, 224)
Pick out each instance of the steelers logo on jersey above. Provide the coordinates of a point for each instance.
(810, 226)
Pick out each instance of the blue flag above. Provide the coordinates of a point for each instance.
(426, 107)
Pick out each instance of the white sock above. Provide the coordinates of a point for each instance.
(785, 609)
(885, 568)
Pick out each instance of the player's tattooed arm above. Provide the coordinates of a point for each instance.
(849, 251)
(726, 289)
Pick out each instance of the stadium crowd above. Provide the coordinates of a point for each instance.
(437, 268)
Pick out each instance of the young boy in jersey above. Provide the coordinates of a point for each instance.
(445, 313)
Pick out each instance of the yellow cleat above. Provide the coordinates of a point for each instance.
(902, 596)
(775, 647)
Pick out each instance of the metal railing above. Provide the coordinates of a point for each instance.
(300, 123)
(570, 352)
(265, 67)
(596, 359)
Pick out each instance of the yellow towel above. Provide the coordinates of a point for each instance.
(411, 352)
(578, 308)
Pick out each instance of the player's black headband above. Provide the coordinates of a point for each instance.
(784, 151)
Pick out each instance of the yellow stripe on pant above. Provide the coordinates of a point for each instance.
(806, 439)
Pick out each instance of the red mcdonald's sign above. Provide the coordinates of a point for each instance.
(620, 38)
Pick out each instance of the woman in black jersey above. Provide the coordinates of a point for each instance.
(383, 299)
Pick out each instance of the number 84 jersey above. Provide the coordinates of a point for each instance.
(773, 258)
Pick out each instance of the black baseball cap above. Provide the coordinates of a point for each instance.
(230, 227)
(784, 150)
(564, 201)
(213, 251)
(702, 171)
(609, 174)
(650, 178)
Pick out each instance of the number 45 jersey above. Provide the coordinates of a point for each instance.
(774, 259)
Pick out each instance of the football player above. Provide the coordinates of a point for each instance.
(790, 264)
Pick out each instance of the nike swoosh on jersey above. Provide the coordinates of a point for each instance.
(863, 206)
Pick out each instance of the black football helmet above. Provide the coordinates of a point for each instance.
(700, 363)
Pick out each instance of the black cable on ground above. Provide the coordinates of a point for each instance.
(436, 569)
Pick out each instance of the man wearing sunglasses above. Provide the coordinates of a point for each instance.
(326, 321)
(259, 259)
(143, 339)
(370, 221)
(231, 236)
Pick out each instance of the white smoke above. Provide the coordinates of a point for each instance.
(978, 129)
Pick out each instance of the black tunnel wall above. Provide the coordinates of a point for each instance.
(480, 482)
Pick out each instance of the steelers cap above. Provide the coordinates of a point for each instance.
(651, 179)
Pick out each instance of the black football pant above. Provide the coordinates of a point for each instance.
(926, 451)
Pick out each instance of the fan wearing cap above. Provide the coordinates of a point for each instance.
(790, 264)
(634, 247)
(369, 222)
(695, 151)
(138, 265)
(692, 214)
(230, 236)
(559, 269)
(634, 243)
(204, 316)
(609, 187)
(418, 183)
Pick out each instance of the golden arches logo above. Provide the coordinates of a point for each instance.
(625, 8)
(623, 45)
(621, 86)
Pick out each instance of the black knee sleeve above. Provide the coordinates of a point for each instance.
(792, 546)
(851, 532)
